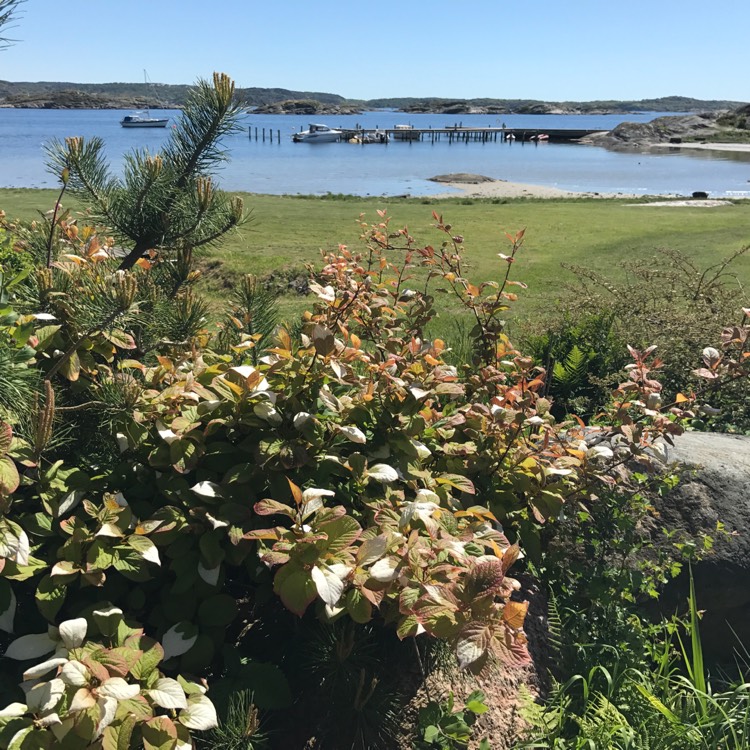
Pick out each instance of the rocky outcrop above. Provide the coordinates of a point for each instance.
(306, 107)
(714, 488)
(663, 130)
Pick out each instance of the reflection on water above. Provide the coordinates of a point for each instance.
(276, 165)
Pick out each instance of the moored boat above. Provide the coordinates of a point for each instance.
(143, 120)
(317, 133)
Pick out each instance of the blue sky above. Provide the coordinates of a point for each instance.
(543, 49)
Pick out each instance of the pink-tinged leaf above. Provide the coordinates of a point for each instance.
(473, 643)
(270, 507)
(342, 533)
(483, 580)
(6, 438)
(9, 478)
(119, 338)
(463, 484)
(511, 649)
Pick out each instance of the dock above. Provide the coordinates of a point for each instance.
(458, 133)
(452, 133)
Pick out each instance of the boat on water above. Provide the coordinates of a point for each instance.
(317, 133)
(142, 118)
(376, 136)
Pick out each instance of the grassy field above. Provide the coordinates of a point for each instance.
(287, 232)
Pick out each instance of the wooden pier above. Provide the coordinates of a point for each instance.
(451, 133)
(460, 134)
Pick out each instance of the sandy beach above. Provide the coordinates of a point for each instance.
(741, 147)
(478, 186)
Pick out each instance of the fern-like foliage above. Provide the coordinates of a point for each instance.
(252, 319)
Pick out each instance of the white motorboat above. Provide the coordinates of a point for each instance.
(317, 134)
(143, 120)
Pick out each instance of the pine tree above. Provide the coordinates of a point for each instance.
(166, 201)
(8, 10)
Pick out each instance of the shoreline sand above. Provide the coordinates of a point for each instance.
(489, 188)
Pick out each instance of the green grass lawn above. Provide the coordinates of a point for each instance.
(287, 232)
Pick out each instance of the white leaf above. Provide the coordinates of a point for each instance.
(45, 696)
(326, 293)
(215, 522)
(301, 419)
(107, 711)
(382, 473)
(423, 511)
(174, 641)
(22, 555)
(44, 316)
(423, 452)
(467, 651)
(74, 674)
(384, 570)
(6, 618)
(209, 575)
(151, 553)
(50, 720)
(12, 710)
(34, 673)
(122, 442)
(30, 647)
(165, 433)
(427, 496)
(168, 693)
(82, 700)
(109, 530)
(354, 434)
(200, 714)
(268, 413)
(244, 371)
(313, 493)
(69, 502)
(73, 632)
(207, 489)
(418, 393)
(117, 687)
(329, 586)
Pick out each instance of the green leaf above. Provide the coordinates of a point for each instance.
(342, 533)
(148, 662)
(50, 597)
(358, 607)
(159, 733)
(117, 735)
(217, 611)
(296, 588)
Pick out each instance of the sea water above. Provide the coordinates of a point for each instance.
(276, 165)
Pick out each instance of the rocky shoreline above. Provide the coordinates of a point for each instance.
(705, 128)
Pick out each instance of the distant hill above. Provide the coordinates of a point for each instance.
(56, 95)
(535, 106)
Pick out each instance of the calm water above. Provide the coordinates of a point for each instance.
(394, 169)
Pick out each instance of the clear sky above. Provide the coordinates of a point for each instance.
(365, 49)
